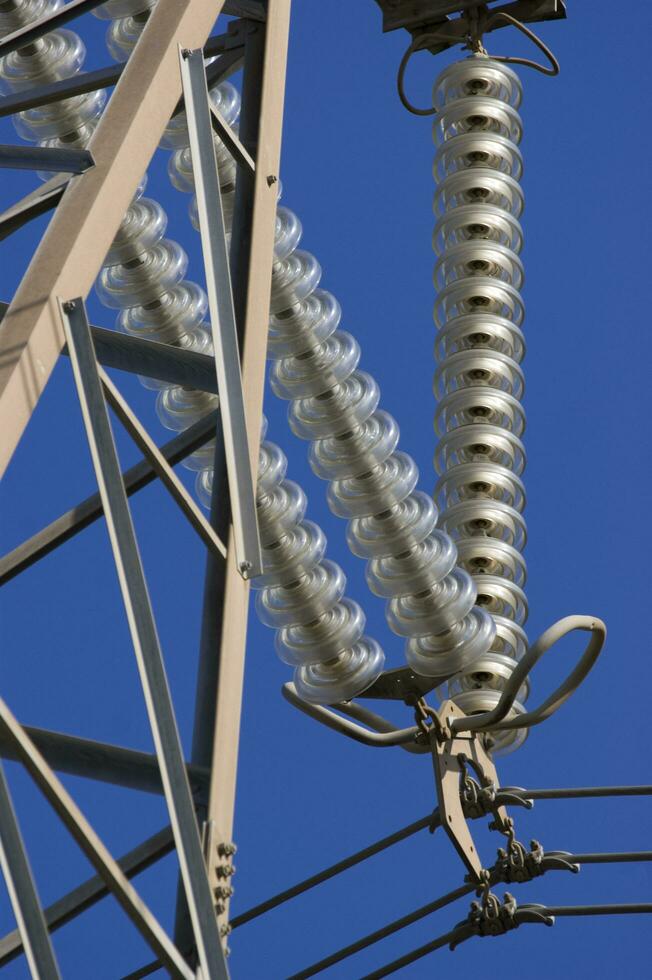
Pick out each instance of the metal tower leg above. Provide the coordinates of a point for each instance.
(22, 891)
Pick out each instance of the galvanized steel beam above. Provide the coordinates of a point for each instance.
(22, 891)
(92, 891)
(92, 846)
(145, 640)
(242, 494)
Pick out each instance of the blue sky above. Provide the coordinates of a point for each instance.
(357, 169)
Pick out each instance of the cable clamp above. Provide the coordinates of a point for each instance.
(516, 864)
(494, 918)
(483, 800)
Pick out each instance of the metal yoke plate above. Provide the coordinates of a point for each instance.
(448, 774)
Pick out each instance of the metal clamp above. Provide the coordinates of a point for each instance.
(516, 864)
(483, 800)
(451, 756)
(494, 918)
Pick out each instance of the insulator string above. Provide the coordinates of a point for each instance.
(479, 347)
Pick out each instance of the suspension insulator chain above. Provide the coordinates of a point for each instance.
(479, 348)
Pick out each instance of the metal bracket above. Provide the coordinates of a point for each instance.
(450, 755)
(421, 16)
(402, 684)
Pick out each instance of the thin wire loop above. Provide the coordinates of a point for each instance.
(418, 44)
(494, 720)
(474, 43)
(545, 50)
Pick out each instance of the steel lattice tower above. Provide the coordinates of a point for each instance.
(449, 566)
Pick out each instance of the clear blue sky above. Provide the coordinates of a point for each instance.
(357, 169)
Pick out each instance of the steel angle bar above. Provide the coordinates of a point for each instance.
(226, 65)
(145, 640)
(220, 673)
(186, 368)
(103, 762)
(161, 467)
(92, 891)
(219, 685)
(57, 18)
(22, 891)
(37, 202)
(91, 81)
(143, 971)
(252, 254)
(66, 88)
(220, 300)
(229, 62)
(92, 846)
(249, 9)
(151, 358)
(90, 510)
(230, 140)
(52, 158)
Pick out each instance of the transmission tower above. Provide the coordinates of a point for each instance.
(449, 566)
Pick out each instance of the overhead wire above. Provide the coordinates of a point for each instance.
(631, 908)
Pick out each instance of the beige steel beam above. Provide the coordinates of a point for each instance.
(236, 595)
(79, 235)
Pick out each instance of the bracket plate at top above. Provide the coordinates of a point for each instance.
(417, 16)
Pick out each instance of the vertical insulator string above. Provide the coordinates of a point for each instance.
(479, 347)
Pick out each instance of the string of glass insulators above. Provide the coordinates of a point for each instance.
(319, 630)
(479, 347)
(391, 524)
(399, 540)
